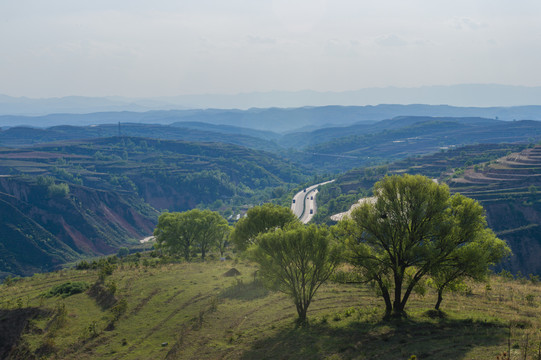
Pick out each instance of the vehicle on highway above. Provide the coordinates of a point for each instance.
(311, 211)
(293, 201)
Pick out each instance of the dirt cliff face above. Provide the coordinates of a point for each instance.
(42, 231)
(517, 221)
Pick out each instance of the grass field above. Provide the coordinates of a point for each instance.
(192, 311)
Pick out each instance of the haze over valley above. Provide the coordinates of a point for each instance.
(270, 180)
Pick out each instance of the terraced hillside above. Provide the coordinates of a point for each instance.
(508, 189)
(513, 175)
(357, 183)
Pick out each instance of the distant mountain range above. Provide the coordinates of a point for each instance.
(331, 148)
(278, 120)
(469, 95)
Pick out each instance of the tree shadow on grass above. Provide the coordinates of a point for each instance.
(443, 339)
(13, 324)
(245, 291)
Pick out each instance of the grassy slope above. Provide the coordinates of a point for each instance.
(201, 314)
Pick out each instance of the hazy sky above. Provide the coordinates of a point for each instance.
(172, 47)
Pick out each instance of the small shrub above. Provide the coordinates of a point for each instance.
(521, 278)
(119, 309)
(345, 277)
(58, 190)
(349, 312)
(111, 287)
(102, 295)
(213, 304)
(67, 289)
(123, 252)
(106, 269)
(92, 329)
(59, 319)
(8, 281)
(83, 265)
(506, 275)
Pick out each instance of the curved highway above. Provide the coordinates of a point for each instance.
(304, 202)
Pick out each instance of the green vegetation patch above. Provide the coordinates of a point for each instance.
(68, 288)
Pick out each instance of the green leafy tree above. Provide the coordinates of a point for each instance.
(413, 229)
(213, 228)
(296, 261)
(123, 252)
(223, 242)
(469, 261)
(185, 232)
(58, 190)
(260, 219)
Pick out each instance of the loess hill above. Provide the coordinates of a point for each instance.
(116, 188)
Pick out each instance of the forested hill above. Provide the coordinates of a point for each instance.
(329, 149)
(405, 137)
(63, 200)
(22, 135)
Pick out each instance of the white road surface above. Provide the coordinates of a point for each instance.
(372, 199)
(147, 239)
(304, 202)
(340, 216)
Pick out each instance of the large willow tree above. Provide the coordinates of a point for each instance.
(296, 261)
(415, 228)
